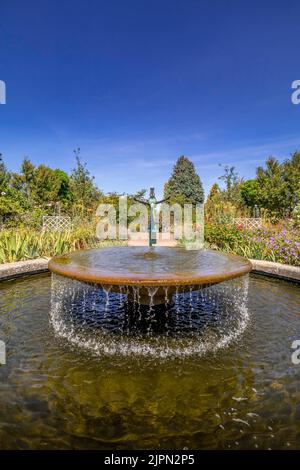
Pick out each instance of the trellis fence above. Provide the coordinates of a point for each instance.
(56, 223)
(250, 223)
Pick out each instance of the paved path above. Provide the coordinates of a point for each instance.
(143, 240)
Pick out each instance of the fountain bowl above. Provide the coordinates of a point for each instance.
(150, 275)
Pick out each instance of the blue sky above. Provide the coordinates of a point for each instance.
(137, 83)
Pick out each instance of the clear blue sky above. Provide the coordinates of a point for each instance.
(136, 83)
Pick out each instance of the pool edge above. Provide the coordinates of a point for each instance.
(40, 265)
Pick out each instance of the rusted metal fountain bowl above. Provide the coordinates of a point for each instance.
(157, 272)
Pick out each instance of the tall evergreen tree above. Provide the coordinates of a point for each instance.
(184, 186)
(27, 174)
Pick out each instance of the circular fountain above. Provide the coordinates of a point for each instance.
(150, 301)
(214, 364)
(150, 275)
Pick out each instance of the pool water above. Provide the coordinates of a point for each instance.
(56, 394)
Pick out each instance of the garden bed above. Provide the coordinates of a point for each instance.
(278, 244)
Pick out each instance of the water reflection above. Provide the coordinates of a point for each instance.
(55, 395)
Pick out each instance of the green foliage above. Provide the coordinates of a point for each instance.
(45, 186)
(226, 203)
(279, 186)
(250, 193)
(4, 176)
(222, 236)
(184, 186)
(291, 174)
(217, 206)
(9, 205)
(275, 191)
(214, 192)
(64, 194)
(9, 198)
(41, 186)
(40, 190)
(214, 201)
(272, 188)
(232, 184)
(85, 193)
(24, 244)
(27, 219)
(27, 176)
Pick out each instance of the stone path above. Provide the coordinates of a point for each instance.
(143, 240)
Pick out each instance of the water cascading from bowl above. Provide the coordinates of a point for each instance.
(158, 301)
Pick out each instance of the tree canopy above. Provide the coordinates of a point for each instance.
(275, 190)
(42, 190)
(38, 190)
(184, 186)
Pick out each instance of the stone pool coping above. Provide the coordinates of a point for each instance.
(281, 271)
(40, 265)
(23, 268)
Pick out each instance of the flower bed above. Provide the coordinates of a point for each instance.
(275, 243)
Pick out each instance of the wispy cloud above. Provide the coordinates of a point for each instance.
(139, 163)
(250, 153)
